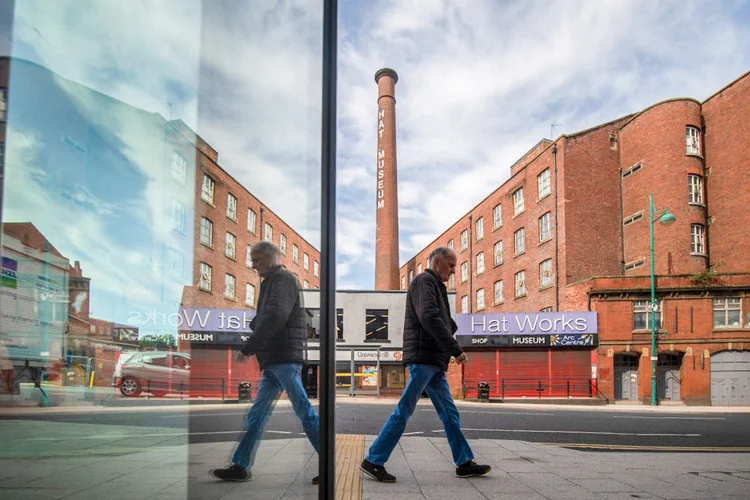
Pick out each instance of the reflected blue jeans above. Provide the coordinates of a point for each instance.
(433, 379)
(276, 378)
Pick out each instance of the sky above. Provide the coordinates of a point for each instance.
(480, 83)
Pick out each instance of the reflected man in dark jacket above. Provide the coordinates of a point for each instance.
(277, 340)
(428, 346)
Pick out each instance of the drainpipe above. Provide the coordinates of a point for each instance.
(557, 236)
(471, 265)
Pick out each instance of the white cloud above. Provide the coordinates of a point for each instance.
(480, 82)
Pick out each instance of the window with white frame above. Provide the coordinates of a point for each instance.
(499, 292)
(282, 243)
(411, 275)
(698, 239)
(204, 277)
(545, 227)
(268, 233)
(695, 189)
(465, 304)
(207, 189)
(630, 171)
(179, 167)
(207, 232)
(498, 252)
(316, 269)
(450, 244)
(497, 216)
(306, 261)
(543, 183)
(464, 239)
(642, 315)
(480, 263)
(251, 218)
(229, 283)
(175, 262)
(403, 282)
(464, 272)
(248, 257)
(520, 241)
(520, 284)
(3, 104)
(232, 207)
(419, 268)
(545, 310)
(231, 246)
(305, 284)
(451, 282)
(693, 140)
(295, 253)
(178, 216)
(632, 218)
(518, 205)
(480, 228)
(545, 273)
(727, 312)
(250, 295)
(635, 264)
(480, 299)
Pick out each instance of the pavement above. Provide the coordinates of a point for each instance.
(50, 461)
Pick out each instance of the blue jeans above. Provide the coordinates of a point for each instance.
(276, 378)
(433, 379)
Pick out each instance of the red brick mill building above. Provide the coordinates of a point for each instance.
(569, 231)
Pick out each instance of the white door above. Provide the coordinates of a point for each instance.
(730, 378)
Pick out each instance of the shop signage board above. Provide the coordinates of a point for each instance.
(549, 329)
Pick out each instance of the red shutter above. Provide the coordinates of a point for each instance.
(529, 372)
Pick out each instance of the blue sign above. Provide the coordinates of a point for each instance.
(547, 323)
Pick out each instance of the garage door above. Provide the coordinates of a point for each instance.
(730, 378)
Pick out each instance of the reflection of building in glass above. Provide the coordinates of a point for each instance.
(576, 214)
(45, 319)
(129, 191)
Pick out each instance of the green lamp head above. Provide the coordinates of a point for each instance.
(666, 219)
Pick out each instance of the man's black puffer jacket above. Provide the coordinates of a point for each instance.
(279, 334)
(428, 326)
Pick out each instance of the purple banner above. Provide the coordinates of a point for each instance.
(547, 323)
(195, 319)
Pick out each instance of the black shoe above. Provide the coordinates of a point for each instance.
(316, 480)
(376, 472)
(232, 473)
(471, 469)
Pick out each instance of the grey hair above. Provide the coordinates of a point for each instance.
(441, 253)
(266, 248)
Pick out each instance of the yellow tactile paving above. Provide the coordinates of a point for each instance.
(350, 451)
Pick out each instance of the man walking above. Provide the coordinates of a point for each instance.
(277, 340)
(428, 347)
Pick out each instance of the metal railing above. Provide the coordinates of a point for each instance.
(193, 387)
(538, 388)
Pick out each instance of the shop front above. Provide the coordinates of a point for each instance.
(530, 355)
(362, 370)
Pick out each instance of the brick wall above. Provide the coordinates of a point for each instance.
(655, 139)
(727, 136)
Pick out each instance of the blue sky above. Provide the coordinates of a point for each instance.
(480, 82)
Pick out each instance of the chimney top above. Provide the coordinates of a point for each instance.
(386, 72)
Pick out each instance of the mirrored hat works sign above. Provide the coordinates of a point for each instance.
(549, 329)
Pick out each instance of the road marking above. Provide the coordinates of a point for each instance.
(166, 434)
(536, 431)
(412, 433)
(627, 447)
(677, 418)
(503, 412)
(239, 412)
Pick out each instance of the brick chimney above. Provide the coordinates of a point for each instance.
(386, 232)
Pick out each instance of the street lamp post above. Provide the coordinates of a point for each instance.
(665, 218)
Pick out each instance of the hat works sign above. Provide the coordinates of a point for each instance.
(551, 329)
(200, 325)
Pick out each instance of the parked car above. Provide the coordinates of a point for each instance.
(156, 372)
